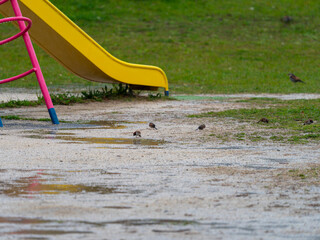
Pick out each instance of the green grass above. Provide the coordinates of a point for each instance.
(16, 117)
(19, 103)
(287, 116)
(67, 98)
(203, 46)
(313, 172)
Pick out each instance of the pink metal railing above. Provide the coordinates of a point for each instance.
(36, 67)
(11, 19)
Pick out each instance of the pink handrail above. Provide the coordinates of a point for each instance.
(18, 76)
(11, 19)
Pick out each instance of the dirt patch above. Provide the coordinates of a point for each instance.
(304, 175)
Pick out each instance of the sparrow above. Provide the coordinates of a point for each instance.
(308, 122)
(294, 78)
(137, 133)
(264, 120)
(286, 19)
(201, 127)
(152, 125)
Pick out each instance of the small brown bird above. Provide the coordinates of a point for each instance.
(308, 122)
(264, 120)
(152, 125)
(294, 78)
(286, 19)
(137, 133)
(201, 127)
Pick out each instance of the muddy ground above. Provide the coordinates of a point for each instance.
(92, 179)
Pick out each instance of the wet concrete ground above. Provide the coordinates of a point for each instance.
(94, 180)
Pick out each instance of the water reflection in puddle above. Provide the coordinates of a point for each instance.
(40, 188)
(18, 220)
(97, 140)
(44, 183)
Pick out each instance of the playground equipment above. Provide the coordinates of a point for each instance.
(78, 52)
(36, 67)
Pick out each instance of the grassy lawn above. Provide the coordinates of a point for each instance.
(213, 46)
(286, 120)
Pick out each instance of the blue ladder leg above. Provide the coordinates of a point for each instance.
(53, 116)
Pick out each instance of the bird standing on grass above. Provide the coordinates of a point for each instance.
(294, 78)
(286, 19)
(137, 134)
(264, 120)
(201, 127)
(308, 122)
(152, 125)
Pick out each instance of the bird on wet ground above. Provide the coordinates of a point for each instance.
(137, 133)
(201, 127)
(294, 78)
(152, 125)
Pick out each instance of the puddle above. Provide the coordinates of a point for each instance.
(117, 207)
(96, 140)
(258, 167)
(138, 222)
(18, 220)
(277, 160)
(171, 231)
(39, 188)
(245, 194)
(34, 228)
(38, 185)
(128, 141)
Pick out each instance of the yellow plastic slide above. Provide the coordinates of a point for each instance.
(78, 52)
